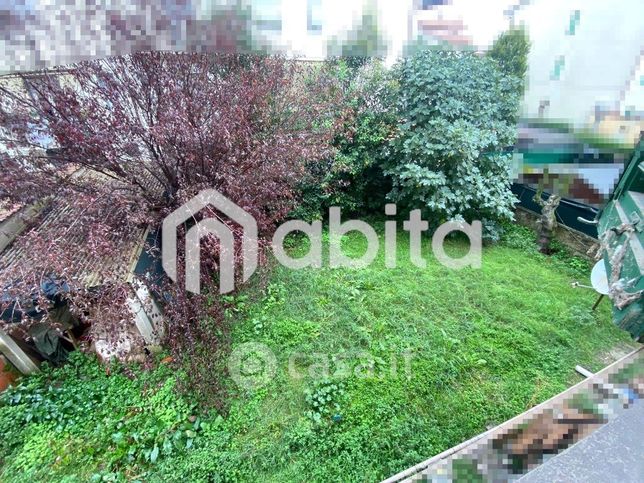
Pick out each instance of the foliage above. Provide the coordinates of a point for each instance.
(353, 179)
(85, 418)
(458, 116)
(519, 237)
(434, 356)
(484, 344)
(324, 400)
(174, 120)
(492, 231)
(363, 42)
(511, 51)
(525, 239)
(563, 255)
(149, 131)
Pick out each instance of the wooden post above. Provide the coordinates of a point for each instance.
(16, 355)
(147, 316)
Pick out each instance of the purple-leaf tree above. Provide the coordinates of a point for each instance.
(124, 141)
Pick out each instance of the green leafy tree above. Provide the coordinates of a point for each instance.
(511, 50)
(362, 43)
(458, 115)
(352, 178)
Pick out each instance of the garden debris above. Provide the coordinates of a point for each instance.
(584, 372)
(547, 433)
(48, 343)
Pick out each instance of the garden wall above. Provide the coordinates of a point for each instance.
(579, 243)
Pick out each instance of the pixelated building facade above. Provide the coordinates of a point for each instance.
(584, 98)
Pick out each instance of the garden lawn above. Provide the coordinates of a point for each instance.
(418, 360)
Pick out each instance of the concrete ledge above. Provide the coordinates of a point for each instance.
(470, 445)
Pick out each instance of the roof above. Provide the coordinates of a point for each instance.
(87, 268)
(7, 209)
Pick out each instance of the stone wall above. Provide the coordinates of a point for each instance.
(578, 243)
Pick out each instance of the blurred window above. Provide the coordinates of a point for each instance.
(267, 15)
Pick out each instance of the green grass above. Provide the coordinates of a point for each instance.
(481, 346)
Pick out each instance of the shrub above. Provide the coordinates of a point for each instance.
(458, 114)
(511, 50)
(519, 237)
(353, 179)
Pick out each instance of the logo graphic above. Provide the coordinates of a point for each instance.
(209, 226)
(416, 226)
(252, 365)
